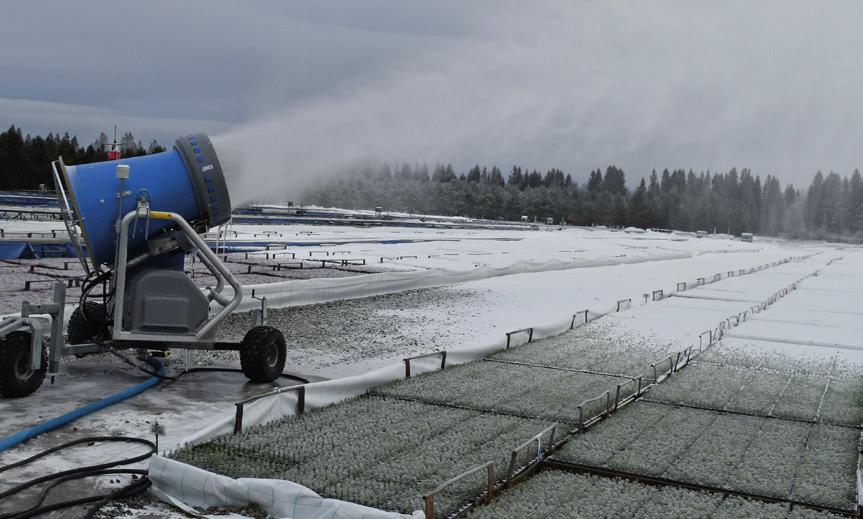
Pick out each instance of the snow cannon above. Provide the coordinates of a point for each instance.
(186, 180)
(132, 222)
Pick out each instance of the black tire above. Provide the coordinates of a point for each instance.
(17, 378)
(86, 329)
(263, 354)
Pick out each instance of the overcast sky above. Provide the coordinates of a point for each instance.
(771, 85)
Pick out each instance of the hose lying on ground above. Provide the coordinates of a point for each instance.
(49, 425)
(56, 479)
(135, 487)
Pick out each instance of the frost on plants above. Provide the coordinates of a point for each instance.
(762, 392)
(826, 472)
(712, 458)
(802, 397)
(766, 456)
(794, 394)
(507, 388)
(843, 402)
(566, 495)
(769, 463)
(754, 357)
(609, 437)
(700, 385)
(598, 347)
(375, 451)
(736, 508)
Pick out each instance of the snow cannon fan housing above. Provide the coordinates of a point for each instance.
(187, 180)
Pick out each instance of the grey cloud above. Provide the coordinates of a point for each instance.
(769, 85)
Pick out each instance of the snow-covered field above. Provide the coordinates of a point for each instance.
(426, 290)
(544, 381)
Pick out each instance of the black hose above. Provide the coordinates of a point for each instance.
(57, 478)
(204, 369)
(128, 361)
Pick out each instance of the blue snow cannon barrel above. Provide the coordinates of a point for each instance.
(187, 180)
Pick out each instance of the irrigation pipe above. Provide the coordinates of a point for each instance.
(20, 437)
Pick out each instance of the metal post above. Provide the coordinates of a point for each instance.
(238, 418)
(301, 400)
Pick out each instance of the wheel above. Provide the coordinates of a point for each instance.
(263, 354)
(83, 329)
(17, 377)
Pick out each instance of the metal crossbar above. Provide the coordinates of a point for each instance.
(660, 376)
(489, 492)
(540, 451)
(529, 332)
(572, 324)
(407, 360)
(301, 403)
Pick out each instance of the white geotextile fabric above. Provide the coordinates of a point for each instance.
(321, 290)
(185, 486)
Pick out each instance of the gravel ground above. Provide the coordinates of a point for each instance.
(356, 335)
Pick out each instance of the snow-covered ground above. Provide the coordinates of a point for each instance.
(463, 288)
(659, 328)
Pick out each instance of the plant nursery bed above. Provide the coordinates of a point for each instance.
(560, 494)
(376, 451)
(807, 394)
(751, 358)
(595, 347)
(781, 459)
(529, 391)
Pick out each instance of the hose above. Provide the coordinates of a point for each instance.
(11, 441)
(27, 434)
(56, 479)
(203, 369)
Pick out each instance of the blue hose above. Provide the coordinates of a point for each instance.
(49, 425)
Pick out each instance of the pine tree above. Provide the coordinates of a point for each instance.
(614, 181)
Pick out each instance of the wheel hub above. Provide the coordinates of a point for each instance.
(23, 367)
(272, 355)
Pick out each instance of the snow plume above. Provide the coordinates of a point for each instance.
(578, 85)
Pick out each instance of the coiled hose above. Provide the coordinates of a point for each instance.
(55, 479)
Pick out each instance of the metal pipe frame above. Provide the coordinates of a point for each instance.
(540, 451)
(489, 494)
(204, 253)
(572, 324)
(407, 360)
(529, 335)
(66, 210)
(56, 311)
(240, 406)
